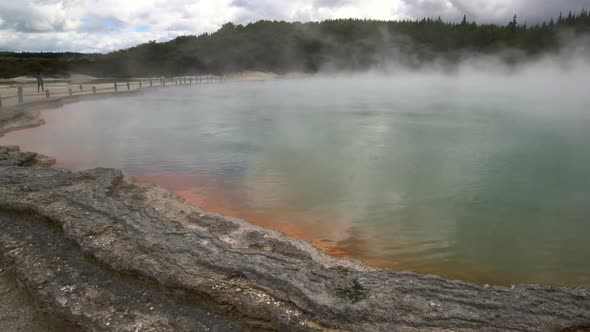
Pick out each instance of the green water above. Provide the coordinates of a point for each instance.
(483, 178)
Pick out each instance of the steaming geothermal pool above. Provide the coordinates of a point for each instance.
(478, 177)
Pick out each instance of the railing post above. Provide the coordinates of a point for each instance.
(81, 89)
(151, 84)
(93, 89)
(140, 85)
(70, 91)
(19, 93)
(128, 88)
(116, 88)
(190, 80)
(46, 93)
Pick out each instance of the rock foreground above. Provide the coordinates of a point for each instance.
(96, 251)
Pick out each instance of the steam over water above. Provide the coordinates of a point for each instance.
(483, 177)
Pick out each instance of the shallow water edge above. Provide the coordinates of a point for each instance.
(485, 190)
(104, 252)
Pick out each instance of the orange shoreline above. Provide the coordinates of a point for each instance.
(291, 223)
(202, 191)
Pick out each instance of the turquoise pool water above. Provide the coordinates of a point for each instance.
(480, 178)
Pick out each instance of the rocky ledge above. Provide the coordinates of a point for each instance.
(96, 251)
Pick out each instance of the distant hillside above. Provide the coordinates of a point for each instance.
(13, 64)
(335, 44)
(44, 55)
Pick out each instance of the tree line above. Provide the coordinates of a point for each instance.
(343, 44)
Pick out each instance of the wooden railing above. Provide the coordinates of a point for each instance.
(18, 94)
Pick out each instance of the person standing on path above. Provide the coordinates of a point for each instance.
(40, 83)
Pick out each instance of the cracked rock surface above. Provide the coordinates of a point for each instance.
(96, 251)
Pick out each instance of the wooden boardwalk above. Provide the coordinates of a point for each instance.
(26, 93)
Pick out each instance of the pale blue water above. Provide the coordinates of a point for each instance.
(479, 178)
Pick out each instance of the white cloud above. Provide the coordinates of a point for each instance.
(105, 25)
(496, 11)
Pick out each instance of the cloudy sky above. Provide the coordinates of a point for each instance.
(106, 25)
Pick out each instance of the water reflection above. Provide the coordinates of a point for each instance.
(476, 188)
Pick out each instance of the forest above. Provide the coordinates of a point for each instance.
(332, 45)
